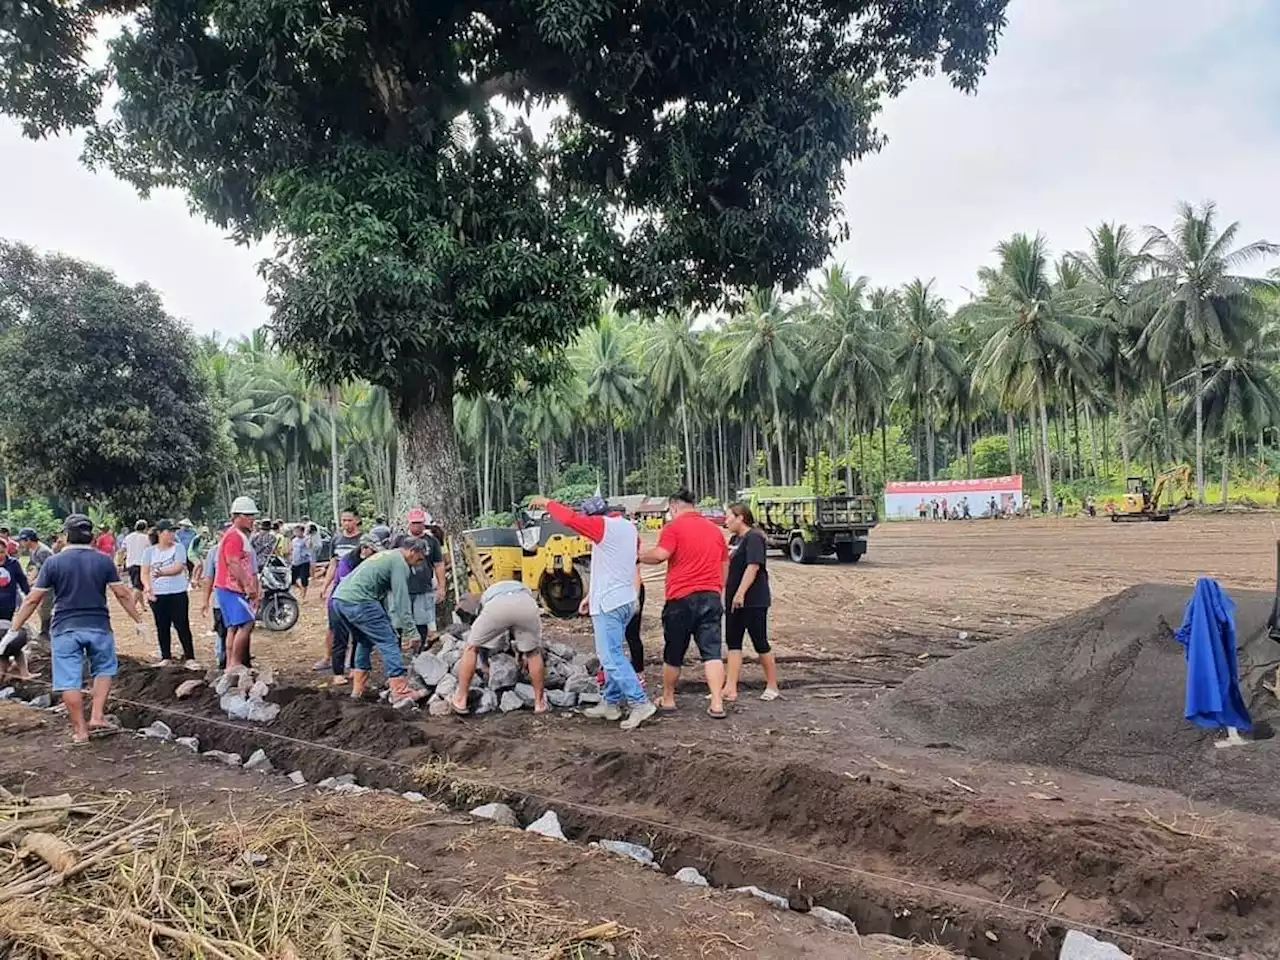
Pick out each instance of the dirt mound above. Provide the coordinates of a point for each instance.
(1102, 691)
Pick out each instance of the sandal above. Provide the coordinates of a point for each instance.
(663, 708)
(716, 714)
(456, 710)
(770, 695)
(110, 730)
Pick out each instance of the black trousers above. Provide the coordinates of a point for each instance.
(634, 644)
(172, 612)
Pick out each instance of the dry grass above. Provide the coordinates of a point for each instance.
(146, 883)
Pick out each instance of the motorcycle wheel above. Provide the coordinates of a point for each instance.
(280, 612)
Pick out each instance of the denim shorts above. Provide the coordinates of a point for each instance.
(67, 650)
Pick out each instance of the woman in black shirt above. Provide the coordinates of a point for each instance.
(746, 601)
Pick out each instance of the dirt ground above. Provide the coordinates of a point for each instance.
(806, 795)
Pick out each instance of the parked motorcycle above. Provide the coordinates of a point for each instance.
(277, 608)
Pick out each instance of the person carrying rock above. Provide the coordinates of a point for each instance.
(611, 602)
(79, 577)
(358, 603)
(507, 607)
(696, 555)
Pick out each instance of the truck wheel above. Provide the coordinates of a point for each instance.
(802, 552)
(845, 553)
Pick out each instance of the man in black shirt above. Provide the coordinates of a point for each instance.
(746, 601)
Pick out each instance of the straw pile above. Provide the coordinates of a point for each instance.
(98, 878)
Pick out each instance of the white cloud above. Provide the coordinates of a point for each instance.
(1092, 110)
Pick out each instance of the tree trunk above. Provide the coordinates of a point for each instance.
(1226, 463)
(782, 449)
(429, 466)
(1122, 407)
(968, 451)
(884, 444)
(1106, 465)
(688, 450)
(1046, 479)
(1164, 417)
(1013, 441)
(1199, 431)
(1075, 421)
(928, 442)
(848, 451)
(486, 493)
(1093, 440)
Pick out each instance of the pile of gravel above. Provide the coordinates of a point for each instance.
(1102, 691)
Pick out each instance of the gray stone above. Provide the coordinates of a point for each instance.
(413, 796)
(562, 699)
(832, 919)
(234, 706)
(1081, 946)
(691, 876)
(503, 671)
(510, 701)
(635, 851)
(488, 703)
(561, 650)
(260, 712)
(332, 783)
(44, 701)
(253, 858)
(298, 778)
(454, 631)
(557, 672)
(498, 813)
(588, 699)
(770, 898)
(267, 676)
(591, 665)
(230, 759)
(447, 687)
(430, 668)
(450, 651)
(575, 670)
(582, 684)
(438, 706)
(352, 788)
(525, 692)
(224, 684)
(191, 743)
(548, 825)
(187, 687)
(7, 693)
(156, 731)
(258, 761)
(259, 691)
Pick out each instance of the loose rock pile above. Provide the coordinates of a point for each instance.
(243, 694)
(501, 682)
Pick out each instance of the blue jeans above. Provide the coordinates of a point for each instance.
(620, 680)
(370, 626)
(68, 648)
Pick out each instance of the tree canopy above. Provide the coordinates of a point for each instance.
(428, 240)
(102, 396)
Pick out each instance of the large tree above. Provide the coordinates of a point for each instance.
(103, 397)
(427, 240)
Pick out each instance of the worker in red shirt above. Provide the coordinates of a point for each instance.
(696, 555)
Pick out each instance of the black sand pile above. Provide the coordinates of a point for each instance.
(1102, 692)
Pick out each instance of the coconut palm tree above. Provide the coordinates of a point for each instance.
(762, 360)
(1201, 307)
(1038, 329)
(1112, 268)
(675, 355)
(926, 357)
(613, 383)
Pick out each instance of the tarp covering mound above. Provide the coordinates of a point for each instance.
(1102, 691)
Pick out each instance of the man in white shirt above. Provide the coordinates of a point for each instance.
(136, 546)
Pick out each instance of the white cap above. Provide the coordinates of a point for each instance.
(244, 505)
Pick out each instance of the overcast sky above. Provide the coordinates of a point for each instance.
(1091, 110)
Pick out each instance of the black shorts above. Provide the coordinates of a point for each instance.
(696, 616)
(753, 621)
(302, 573)
(135, 577)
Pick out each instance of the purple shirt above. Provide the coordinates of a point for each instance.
(346, 563)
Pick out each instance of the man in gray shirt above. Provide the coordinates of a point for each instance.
(37, 553)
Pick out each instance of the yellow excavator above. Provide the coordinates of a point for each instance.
(539, 552)
(1142, 501)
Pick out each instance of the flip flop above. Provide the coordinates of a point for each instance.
(770, 695)
(667, 710)
(82, 743)
(716, 714)
(97, 733)
(456, 710)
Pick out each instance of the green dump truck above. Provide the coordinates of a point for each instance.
(806, 527)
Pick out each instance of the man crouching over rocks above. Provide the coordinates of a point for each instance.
(507, 606)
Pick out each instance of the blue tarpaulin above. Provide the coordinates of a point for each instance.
(1208, 633)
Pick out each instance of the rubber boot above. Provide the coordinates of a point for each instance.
(401, 691)
(359, 678)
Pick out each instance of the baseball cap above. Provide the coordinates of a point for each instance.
(594, 506)
(244, 505)
(184, 522)
(78, 523)
(26, 533)
(416, 515)
(164, 525)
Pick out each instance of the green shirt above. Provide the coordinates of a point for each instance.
(382, 574)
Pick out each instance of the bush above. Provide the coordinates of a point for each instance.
(573, 493)
(36, 513)
(496, 520)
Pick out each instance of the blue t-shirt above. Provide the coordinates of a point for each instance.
(185, 536)
(79, 577)
(159, 557)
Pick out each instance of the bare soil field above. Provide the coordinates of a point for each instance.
(808, 797)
